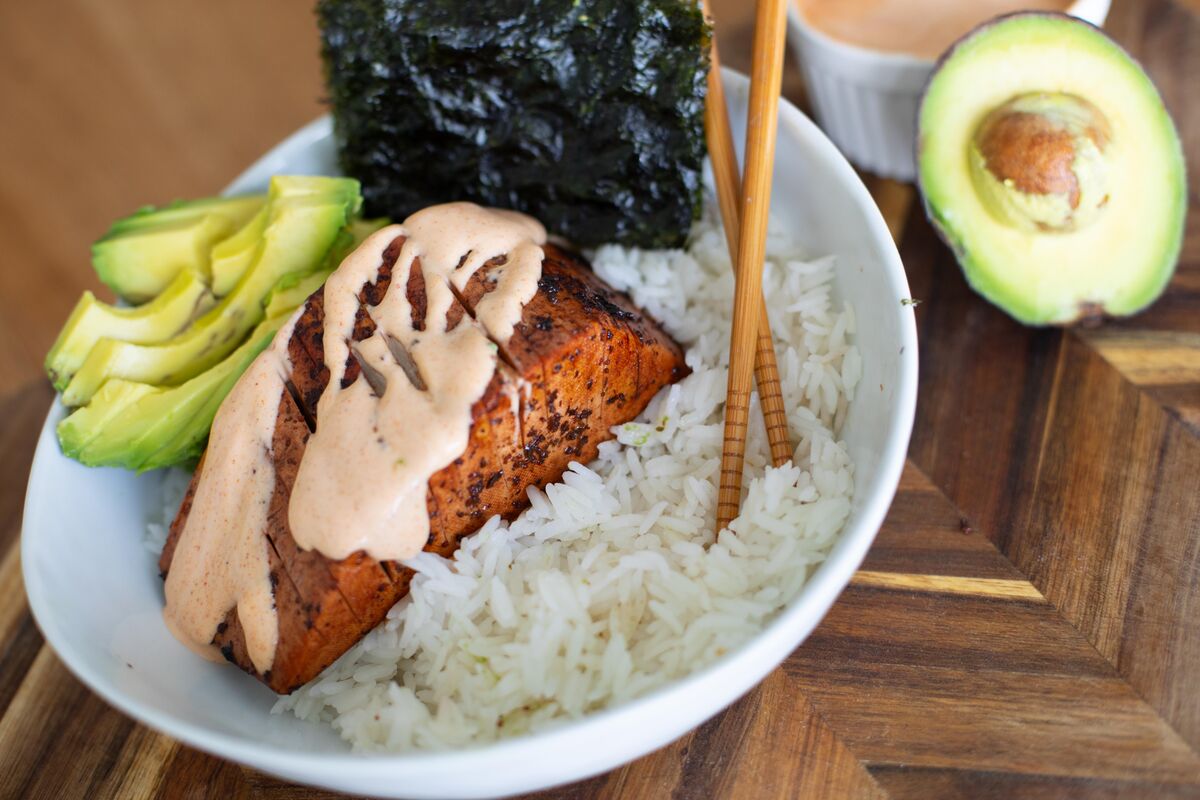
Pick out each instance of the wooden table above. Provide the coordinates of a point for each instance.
(1027, 624)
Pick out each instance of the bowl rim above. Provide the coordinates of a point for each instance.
(756, 658)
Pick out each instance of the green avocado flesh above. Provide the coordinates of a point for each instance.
(293, 290)
(232, 256)
(142, 253)
(1051, 167)
(298, 234)
(587, 114)
(157, 321)
(146, 382)
(139, 426)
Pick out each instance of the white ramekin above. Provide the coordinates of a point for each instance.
(866, 100)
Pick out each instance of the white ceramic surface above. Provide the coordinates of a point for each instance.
(96, 594)
(866, 100)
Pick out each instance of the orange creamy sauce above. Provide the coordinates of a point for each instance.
(923, 28)
(221, 559)
(363, 478)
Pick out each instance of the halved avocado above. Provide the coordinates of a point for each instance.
(299, 233)
(185, 298)
(1049, 164)
(142, 253)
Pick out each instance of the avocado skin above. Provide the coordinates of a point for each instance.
(968, 240)
(142, 253)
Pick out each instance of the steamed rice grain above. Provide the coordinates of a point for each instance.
(612, 583)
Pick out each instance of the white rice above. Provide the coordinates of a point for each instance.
(612, 583)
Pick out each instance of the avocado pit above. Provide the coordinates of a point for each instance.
(1040, 162)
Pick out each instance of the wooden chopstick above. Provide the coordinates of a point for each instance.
(762, 118)
(729, 186)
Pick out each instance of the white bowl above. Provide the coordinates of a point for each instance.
(94, 588)
(866, 100)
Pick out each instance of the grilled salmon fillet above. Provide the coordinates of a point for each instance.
(582, 360)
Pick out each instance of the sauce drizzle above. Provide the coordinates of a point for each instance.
(222, 559)
(363, 478)
(362, 481)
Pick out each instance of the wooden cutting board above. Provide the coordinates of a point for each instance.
(1027, 623)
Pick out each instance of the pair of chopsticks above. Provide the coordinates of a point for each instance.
(744, 211)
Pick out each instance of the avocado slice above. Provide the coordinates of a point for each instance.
(84, 424)
(293, 290)
(239, 206)
(138, 426)
(185, 298)
(299, 233)
(288, 294)
(1050, 166)
(142, 253)
(231, 256)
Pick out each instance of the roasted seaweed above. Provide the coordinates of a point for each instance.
(587, 114)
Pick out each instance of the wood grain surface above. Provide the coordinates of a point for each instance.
(1026, 625)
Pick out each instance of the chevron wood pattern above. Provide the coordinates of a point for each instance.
(1026, 625)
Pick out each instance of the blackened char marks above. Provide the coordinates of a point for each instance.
(580, 361)
(332, 615)
(306, 350)
(371, 294)
(418, 300)
(549, 286)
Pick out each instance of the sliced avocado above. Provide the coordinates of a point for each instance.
(138, 426)
(1049, 164)
(298, 235)
(141, 254)
(239, 207)
(301, 185)
(160, 319)
(359, 230)
(85, 424)
(232, 256)
(187, 443)
(293, 290)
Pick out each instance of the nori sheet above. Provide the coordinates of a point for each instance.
(587, 114)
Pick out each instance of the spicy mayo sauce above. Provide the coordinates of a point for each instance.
(362, 481)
